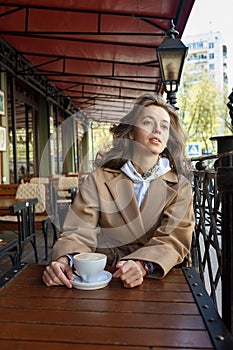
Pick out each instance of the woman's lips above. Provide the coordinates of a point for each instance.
(154, 140)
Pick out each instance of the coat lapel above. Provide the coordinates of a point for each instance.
(137, 219)
(156, 199)
(122, 192)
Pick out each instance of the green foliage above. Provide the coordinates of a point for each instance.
(201, 108)
(102, 137)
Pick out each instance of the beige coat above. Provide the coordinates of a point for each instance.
(105, 217)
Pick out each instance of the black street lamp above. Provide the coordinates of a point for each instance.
(171, 55)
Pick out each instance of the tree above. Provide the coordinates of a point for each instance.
(201, 108)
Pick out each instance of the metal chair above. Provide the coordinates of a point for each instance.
(9, 246)
(45, 210)
(19, 230)
(73, 191)
(65, 184)
(52, 218)
(66, 192)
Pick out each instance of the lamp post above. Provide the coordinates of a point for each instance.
(171, 55)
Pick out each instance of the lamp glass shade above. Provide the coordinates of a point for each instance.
(171, 55)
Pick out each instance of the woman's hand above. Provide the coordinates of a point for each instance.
(130, 272)
(58, 273)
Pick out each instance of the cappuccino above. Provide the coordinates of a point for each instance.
(89, 266)
(89, 256)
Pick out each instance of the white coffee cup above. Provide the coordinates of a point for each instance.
(89, 265)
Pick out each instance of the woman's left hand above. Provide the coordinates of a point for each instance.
(130, 272)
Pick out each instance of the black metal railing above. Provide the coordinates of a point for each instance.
(206, 245)
(212, 211)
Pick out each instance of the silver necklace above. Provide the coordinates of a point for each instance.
(151, 171)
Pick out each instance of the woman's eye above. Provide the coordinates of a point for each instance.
(165, 127)
(147, 122)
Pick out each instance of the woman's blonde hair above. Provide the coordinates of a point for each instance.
(122, 149)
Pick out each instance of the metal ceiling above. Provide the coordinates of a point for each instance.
(99, 53)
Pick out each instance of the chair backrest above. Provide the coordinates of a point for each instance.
(25, 213)
(39, 180)
(29, 190)
(66, 183)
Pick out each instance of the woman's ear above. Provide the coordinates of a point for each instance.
(131, 136)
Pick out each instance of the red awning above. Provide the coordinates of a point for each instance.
(100, 53)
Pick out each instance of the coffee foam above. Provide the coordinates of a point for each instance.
(88, 257)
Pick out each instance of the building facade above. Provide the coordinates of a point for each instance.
(208, 52)
(207, 62)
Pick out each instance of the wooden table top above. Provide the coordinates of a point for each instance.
(7, 202)
(156, 315)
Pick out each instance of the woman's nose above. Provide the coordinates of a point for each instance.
(156, 129)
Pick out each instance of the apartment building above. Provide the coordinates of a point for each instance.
(208, 52)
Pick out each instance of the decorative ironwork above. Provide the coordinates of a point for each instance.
(206, 246)
(207, 252)
(225, 187)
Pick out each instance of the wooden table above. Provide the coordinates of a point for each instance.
(156, 315)
(6, 204)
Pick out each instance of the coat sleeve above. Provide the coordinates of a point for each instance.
(81, 229)
(171, 240)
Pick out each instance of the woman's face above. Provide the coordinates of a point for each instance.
(152, 129)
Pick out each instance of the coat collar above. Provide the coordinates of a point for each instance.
(170, 176)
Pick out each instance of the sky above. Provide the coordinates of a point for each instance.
(213, 15)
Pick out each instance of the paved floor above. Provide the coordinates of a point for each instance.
(28, 254)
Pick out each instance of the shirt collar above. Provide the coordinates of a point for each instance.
(131, 172)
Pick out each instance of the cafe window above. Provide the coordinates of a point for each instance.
(22, 113)
(23, 141)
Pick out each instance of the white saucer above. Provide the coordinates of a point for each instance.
(103, 279)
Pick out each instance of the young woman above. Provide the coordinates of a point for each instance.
(136, 207)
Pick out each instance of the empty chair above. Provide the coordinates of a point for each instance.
(18, 230)
(39, 180)
(9, 246)
(30, 190)
(45, 209)
(53, 210)
(67, 188)
(65, 184)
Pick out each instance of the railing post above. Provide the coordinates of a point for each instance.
(225, 187)
(224, 144)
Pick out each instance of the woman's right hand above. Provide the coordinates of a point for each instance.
(58, 273)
